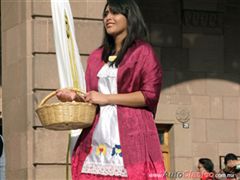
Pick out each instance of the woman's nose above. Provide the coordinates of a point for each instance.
(108, 16)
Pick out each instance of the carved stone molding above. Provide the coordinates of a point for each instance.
(202, 21)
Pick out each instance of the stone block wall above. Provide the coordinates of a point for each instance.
(197, 43)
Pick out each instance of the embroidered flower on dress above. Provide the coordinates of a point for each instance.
(117, 150)
(101, 150)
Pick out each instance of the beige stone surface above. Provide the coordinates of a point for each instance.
(222, 85)
(15, 134)
(95, 8)
(225, 148)
(13, 42)
(231, 108)
(182, 141)
(17, 174)
(51, 172)
(166, 112)
(216, 107)
(40, 35)
(15, 152)
(205, 150)
(190, 83)
(50, 146)
(80, 9)
(88, 36)
(183, 164)
(45, 71)
(50, 41)
(224, 131)
(199, 130)
(200, 106)
(21, 12)
(43, 8)
(183, 100)
(13, 80)
(15, 124)
(238, 133)
(166, 98)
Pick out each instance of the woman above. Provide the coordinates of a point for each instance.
(206, 169)
(124, 78)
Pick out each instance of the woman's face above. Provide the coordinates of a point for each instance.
(201, 168)
(115, 23)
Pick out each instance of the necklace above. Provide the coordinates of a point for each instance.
(112, 58)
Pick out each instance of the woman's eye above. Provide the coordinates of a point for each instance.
(105, 14)
(114, 12)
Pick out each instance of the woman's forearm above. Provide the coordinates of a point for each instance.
(134, 99)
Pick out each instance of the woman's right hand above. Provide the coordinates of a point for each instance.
(68, 95)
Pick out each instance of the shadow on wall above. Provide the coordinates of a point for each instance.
(196, 51)
(204, 59)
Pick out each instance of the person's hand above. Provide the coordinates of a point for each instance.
(232, 163)
(69, 95)
(96, 98)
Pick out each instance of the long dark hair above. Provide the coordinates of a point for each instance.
(136, 28)
(207, 164)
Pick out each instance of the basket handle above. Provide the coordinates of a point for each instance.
(80, 93)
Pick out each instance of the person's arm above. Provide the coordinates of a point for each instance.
(148, 94)
(134, 99)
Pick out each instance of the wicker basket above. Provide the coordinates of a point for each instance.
(65, 115)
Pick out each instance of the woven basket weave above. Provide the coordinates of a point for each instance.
(65, 115)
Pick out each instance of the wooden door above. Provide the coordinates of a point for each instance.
(163, 132)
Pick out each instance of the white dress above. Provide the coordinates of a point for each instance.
(105, 157)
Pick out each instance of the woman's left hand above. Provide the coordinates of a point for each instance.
(96, 98)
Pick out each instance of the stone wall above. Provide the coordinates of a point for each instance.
(197, 43)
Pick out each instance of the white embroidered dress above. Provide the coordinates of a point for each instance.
(105, 157)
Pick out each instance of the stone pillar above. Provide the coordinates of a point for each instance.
(17, 80)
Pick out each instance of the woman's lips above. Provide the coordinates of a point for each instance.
(109, 24)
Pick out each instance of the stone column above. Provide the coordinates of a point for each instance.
(17, 83)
